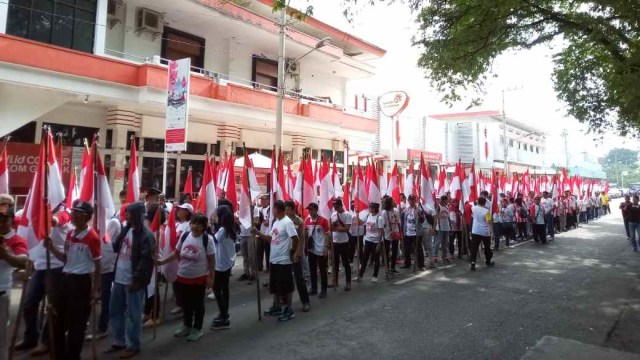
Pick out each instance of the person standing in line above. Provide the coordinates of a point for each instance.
(522, 215)
(13, 255)
(392, 233)
(356, 232)
(481, 233)
(508, 221)
(248, 250)
(285, 251)
(183, 213)
(264, 212)
(497, 222)
(225, 257)
(133, 269)
(412, 221)
(372, 242)
(443, 228)
(584, 204)
(80, 283)
(549, 206)
(634, 223)
(300, 275)
(536, 213)
(604, 200)
(561, 224)
(317, 230)
(340, 224)
(624, 208)
(455, 219)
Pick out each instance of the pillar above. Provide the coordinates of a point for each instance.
(298, 143)
(229, 136)
(121, 121)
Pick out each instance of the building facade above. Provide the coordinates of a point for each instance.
(86, 66)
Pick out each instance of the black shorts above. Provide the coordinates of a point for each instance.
(281, 279)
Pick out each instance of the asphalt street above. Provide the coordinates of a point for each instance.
(584, 286)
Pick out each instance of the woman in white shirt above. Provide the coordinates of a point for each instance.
(374, 230)
(225, 252)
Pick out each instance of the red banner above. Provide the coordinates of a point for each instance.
(23, 161)
(428, 155)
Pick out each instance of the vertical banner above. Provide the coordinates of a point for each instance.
(177, 105)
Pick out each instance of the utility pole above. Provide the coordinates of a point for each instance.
(565, 135)
(504, 134)
(282, 24)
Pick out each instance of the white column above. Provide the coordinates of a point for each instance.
(100, 35)
(4, 14)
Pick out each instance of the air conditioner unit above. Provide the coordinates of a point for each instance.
(115, 12)
(149, 21)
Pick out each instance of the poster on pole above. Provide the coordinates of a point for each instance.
(177, 117)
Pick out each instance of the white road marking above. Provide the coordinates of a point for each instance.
(522, 243)
(423, 274)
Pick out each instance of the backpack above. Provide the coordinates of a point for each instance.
(205, 240)
(523, 213)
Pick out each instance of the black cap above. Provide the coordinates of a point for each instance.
(412, 197)
(374, 205)
(153, 191)
(82, 207)
(313, 206)
(337, 202)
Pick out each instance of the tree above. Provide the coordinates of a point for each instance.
(619, 160)
(596, 44)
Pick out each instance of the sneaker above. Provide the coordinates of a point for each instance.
(195, 335)
(274, 311)
(176, 310)
(287, 314)
(220, 318)
(347, 287)
(473, 266)
(99, 335)
(221, 325)
(306, 307)
(211, 296)
(491, 264)
(323, 294)
(182, 331)
(394, 271)
(357, 279)
(243, 277)
(150, 323)
(374, 279)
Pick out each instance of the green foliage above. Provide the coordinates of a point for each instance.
(619, 160)
(291, 12)
(596, 44)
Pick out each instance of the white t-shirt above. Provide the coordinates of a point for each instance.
(481, 217)
(281, 233)
(108, 260)
(316, 230)
(443, 219)
(247, 232)
(341, 237)
(82, 250)
(390, 223)
(538, 214)
(193, 258)
(509, 213)
(225, 250)
(373, 224)
(358, 230)
(124, 269)
(265, 215)
(38, 253)
(410, 221)
(547, 205)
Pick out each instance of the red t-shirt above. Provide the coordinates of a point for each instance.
(18, 247)
(82, 250)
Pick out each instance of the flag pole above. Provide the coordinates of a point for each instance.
(154, 311)
(255, 257)
(5, 141)
(94, 349)
(47, 225)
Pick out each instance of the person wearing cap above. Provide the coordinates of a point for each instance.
(299, 267)
(549, 206)
(43, 282)
(412, 224)
(340, 224)
(317, 230)
(262, 250)
(6, 202)
(80, 283)
(134, 267)
(374, 230)
(13, 255)
(536, 212)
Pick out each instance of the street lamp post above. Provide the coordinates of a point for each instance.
(504, 128)
(283, 70)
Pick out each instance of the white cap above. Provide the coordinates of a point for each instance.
(186, 206)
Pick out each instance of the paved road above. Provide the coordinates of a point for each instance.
(584, 286)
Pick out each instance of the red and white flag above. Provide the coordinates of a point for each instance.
(360, 200)
(326, 191)
(133, 185)
(57, 195)
(207, 200)
(188, 183)
(4, 172)
(73, 192)
(473, 186)
(346, 196)
(456, 187)
(393, 188)
(221, 180)
(442, 183)
(337, 185)
(427, 190)
(464, 194)
(409, 180)
(230, 191)
(244, 212)
(373, 194)
(104, 203)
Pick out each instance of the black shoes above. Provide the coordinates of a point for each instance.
(473, 266)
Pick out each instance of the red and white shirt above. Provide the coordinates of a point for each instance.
(317, 229)
(82, 250)
(18, 246)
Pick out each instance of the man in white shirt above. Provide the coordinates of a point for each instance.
(262, 251)
(538, 219)
(340, 224)
(481, 233)
(247, 248)
(412, 219)
(548, 205)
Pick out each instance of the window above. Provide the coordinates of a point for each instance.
(265, 72)
(265, 152)
(66, 23)
(129, 135)
(26, 133)
(197, 171)
(107, 165)
(215, 148)
(196, 148)
(510, 143)
(108, 140)
(153, 145)
(152, 174)
(327, 154)
(240, 151)
(178, 45)
(525, 147)
(73, 135)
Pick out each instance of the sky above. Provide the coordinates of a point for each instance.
(534, 102)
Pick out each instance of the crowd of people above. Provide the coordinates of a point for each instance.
(74, 269)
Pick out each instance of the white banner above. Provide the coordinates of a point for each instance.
(177, 105)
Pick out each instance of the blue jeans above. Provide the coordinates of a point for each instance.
(497, 233)
(125, 312)
(634, 230)
(548, 220)
(105, 299)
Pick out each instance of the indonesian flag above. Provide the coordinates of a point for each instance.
(346, 196)
(154, 226)
(577, 184)
(207, 200)
(188, 183)
(393, 189)
(337, 185)
(309, 194)
(291, 182)
(544, 183)
(33, 226)
(473, 186)
(464, 192)
(565, 180)
(360, 199)
(230, 191)
(4, 172)
(373, 194)
(555, 181)
(84, 167)
(221, 182)
(282, 183)
(495, 208)
(326, 191)
(456, 186)
(442, 181)
(104, 203)
(427, 190)
(133, 186)
(409, 180)
(254, 189)
(382, 178)
(74, 192)
(516, 184)
(244, 212)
